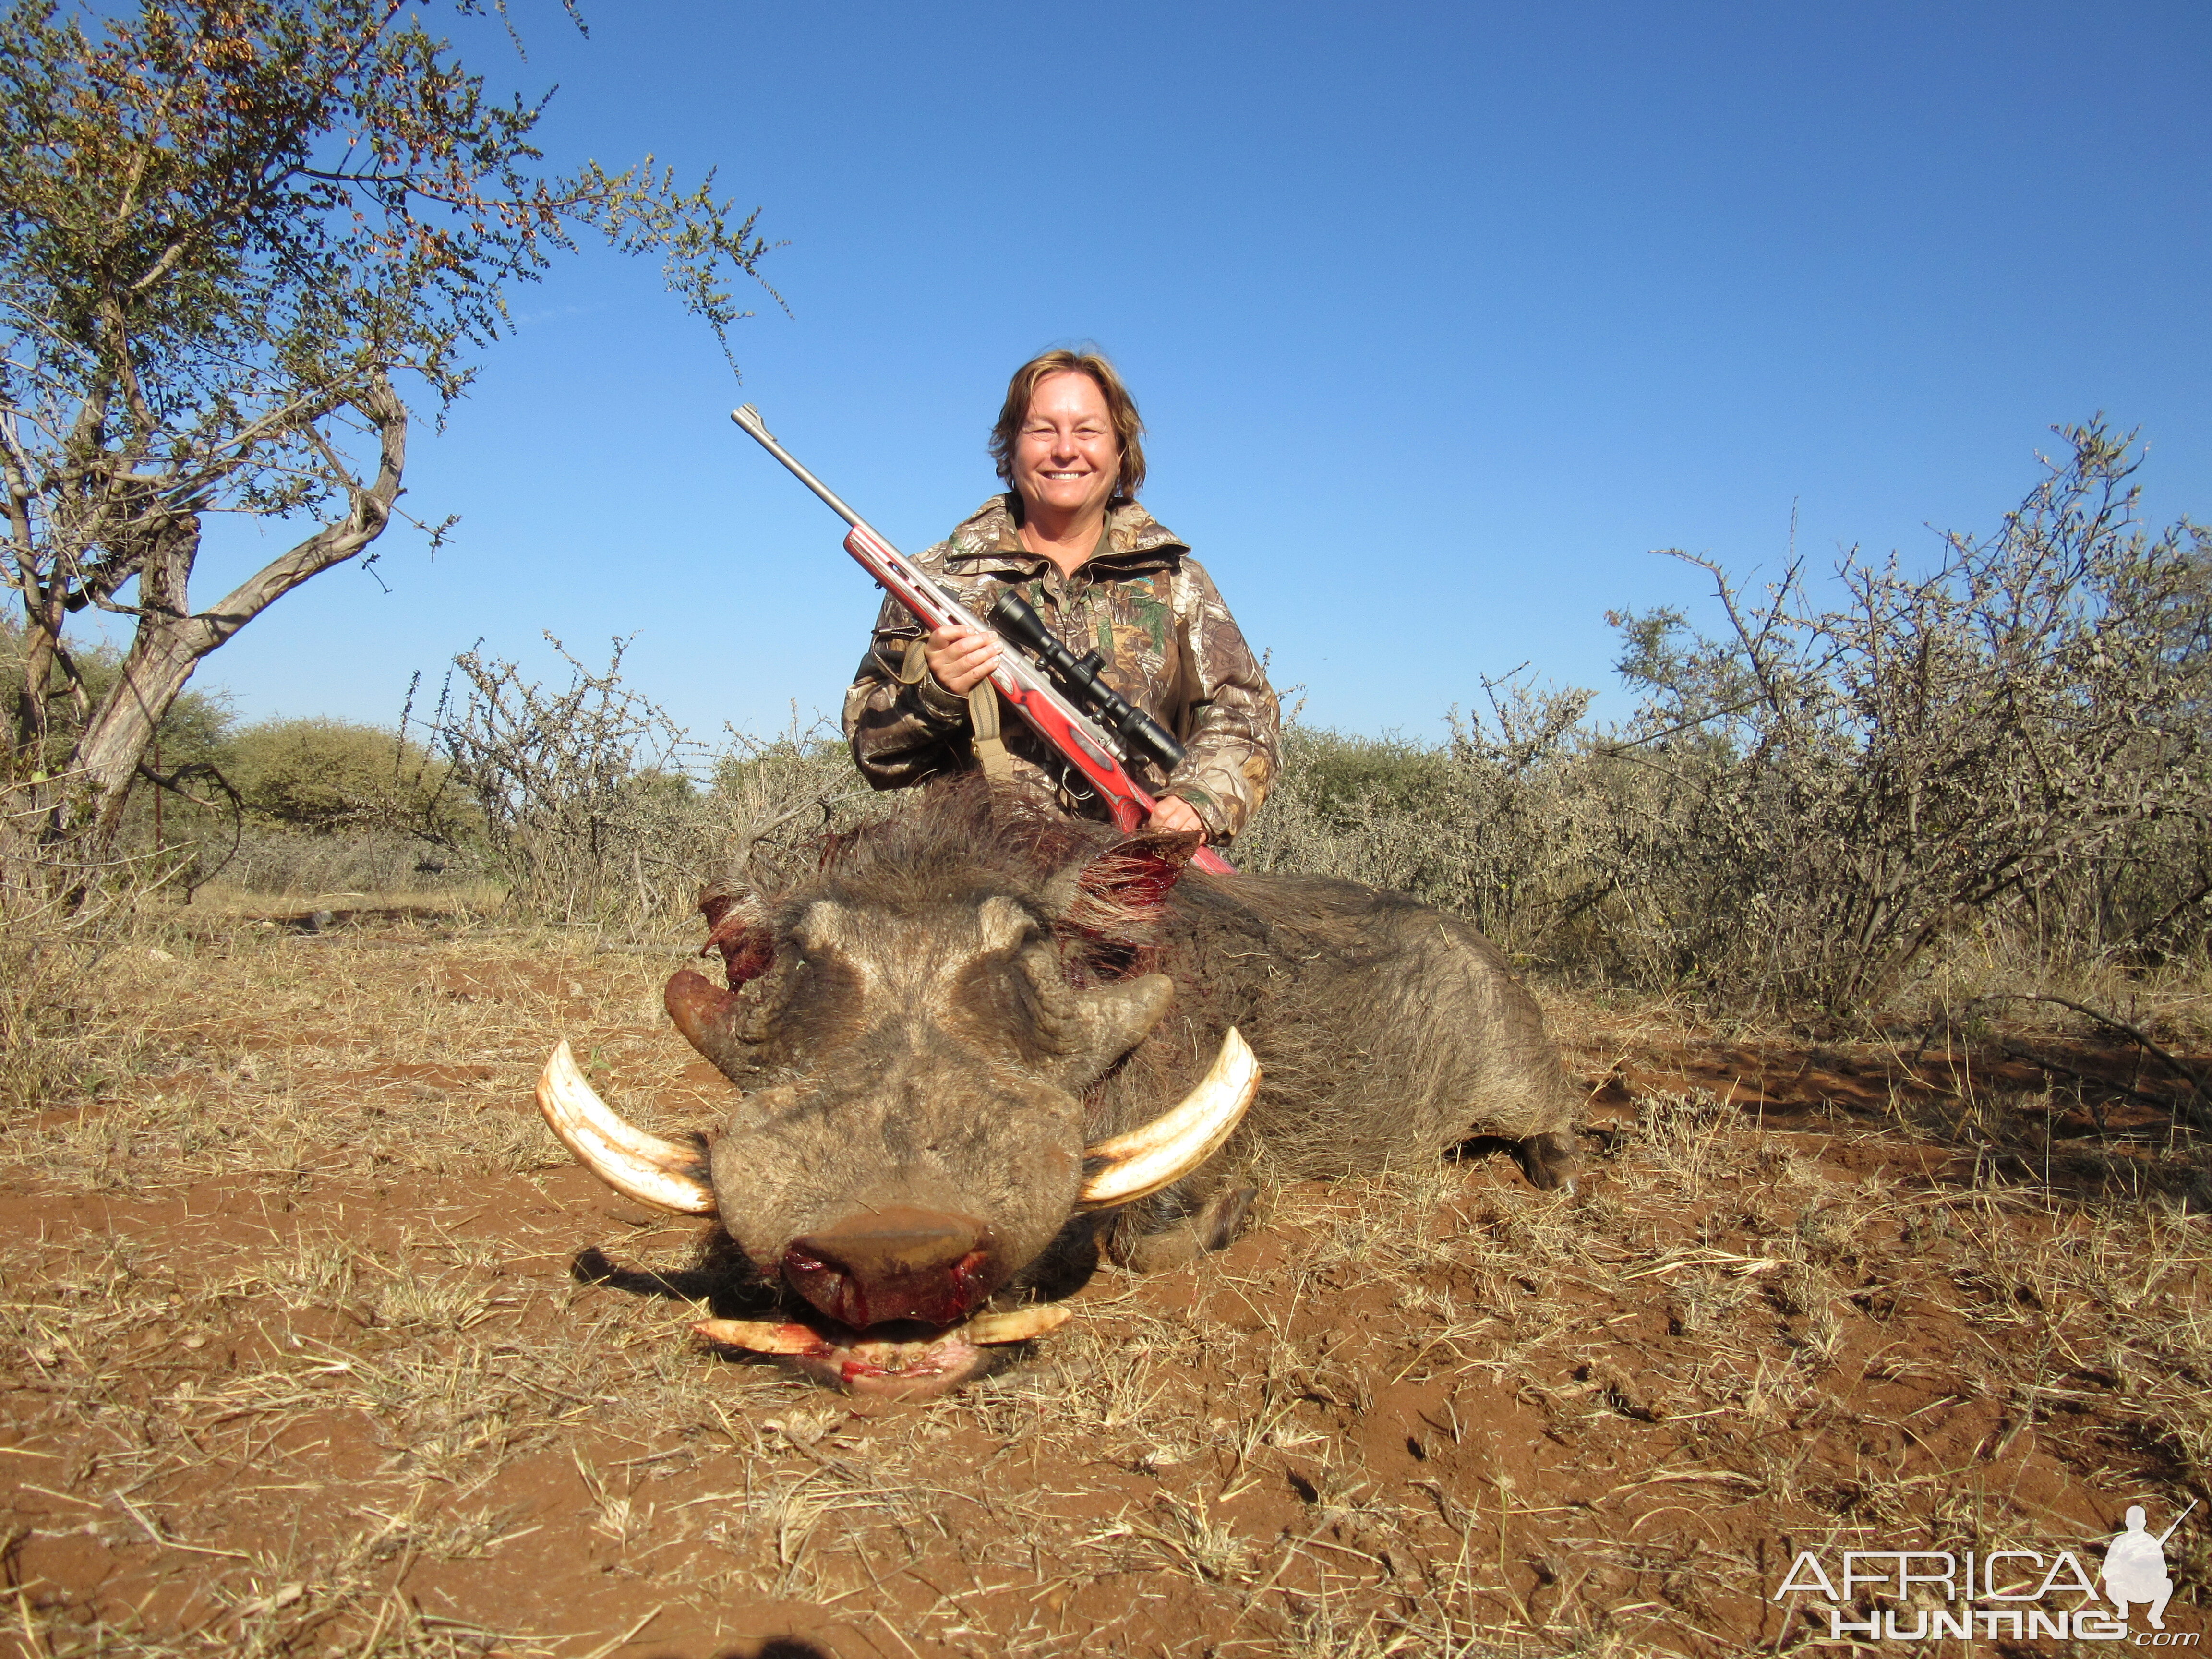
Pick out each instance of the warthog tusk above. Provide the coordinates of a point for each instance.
(767, 1336)
(1018, 1325)
(760, 1335)
(1158, 1154)
(635, 1164)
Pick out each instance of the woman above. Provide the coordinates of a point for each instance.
(1105, 575)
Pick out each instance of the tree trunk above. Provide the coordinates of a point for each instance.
(172, 639)
(161, 660)
(42, 624)
(30, 711)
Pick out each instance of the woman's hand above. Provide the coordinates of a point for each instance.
(1177, 816)
(959, 658)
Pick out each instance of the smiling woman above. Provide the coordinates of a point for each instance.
(1106, 577)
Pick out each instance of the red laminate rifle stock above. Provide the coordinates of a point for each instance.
(1033, 698)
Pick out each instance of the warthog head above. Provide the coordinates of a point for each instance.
(920, 1031)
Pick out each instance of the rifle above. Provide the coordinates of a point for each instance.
(1093, 751)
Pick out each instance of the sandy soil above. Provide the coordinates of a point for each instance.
(301, 1361)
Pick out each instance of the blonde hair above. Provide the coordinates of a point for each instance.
(1128, 426)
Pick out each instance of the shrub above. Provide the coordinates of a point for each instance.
(1804, 802)
(322, 776)
(589, 802)
(2023, 730)
(1475, 825)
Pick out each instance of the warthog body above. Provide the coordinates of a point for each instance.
(931, 1028)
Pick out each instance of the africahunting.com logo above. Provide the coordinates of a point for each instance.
(1998, 1594)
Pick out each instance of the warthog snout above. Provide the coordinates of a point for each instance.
(893, 1264)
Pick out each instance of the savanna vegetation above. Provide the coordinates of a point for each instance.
(1876, 929)
(244, 244)
(1801, 811)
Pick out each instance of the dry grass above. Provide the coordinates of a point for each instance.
(295, 1364)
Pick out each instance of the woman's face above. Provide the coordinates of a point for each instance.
(1066, 458)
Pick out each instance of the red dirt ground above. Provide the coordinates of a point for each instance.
(300, 1365)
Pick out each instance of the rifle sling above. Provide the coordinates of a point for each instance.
(990, 750)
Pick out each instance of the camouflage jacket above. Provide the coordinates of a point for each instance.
(1148, 608)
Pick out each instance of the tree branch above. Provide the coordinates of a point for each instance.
(333, 544)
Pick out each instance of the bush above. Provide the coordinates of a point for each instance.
(1478, 825)
(287, 863)
(2022, 731)
(588, 801)
(1806, 802)
(304, 806)
(321, 777)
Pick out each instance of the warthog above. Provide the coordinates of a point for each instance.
(980, 1044)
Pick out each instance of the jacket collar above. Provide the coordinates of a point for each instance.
(989, 539)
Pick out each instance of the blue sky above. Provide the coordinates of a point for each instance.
(1442, 319)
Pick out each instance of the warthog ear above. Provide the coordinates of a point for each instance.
(1116, 898)
(739, 928)
(1106, 1022)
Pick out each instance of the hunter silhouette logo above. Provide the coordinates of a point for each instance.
(1995, 1594)
(2135, 1566)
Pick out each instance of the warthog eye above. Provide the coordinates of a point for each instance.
(817, 1004)
(996, 1005)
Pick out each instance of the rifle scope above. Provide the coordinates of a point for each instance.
(1012, 616)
